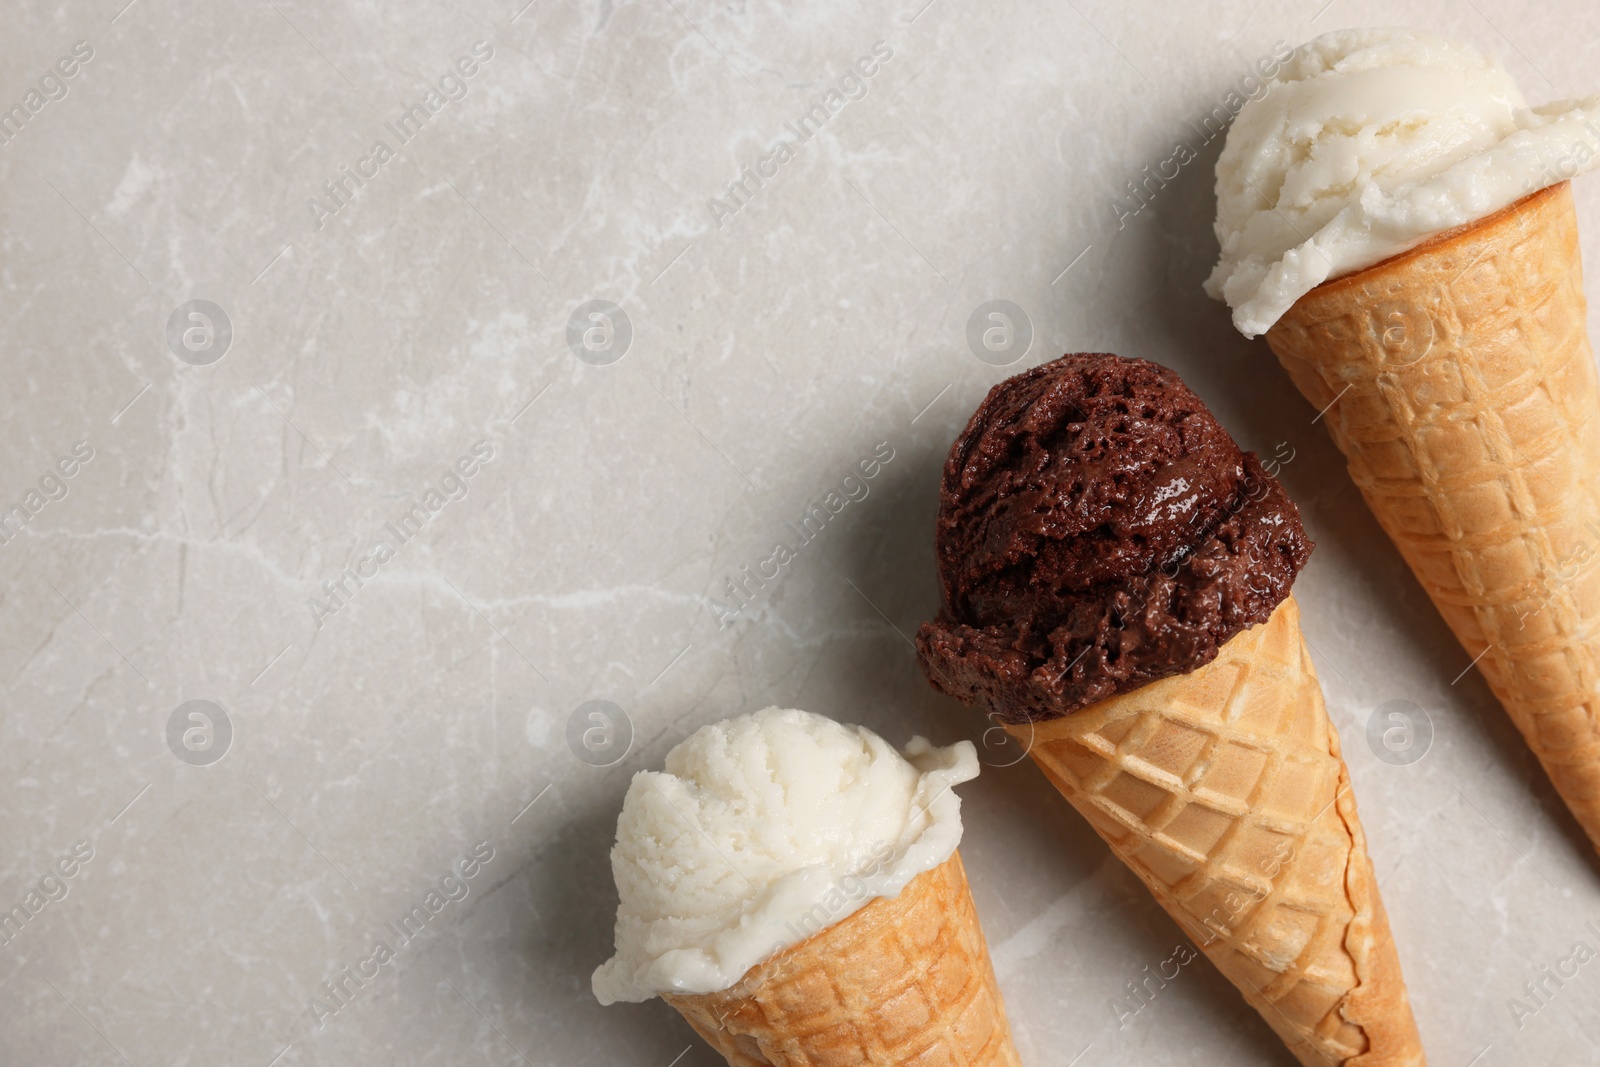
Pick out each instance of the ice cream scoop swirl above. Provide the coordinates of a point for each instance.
(1098, 530)
(1366, 143)
(761, 831)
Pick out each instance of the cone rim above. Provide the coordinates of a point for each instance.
(1532, 201)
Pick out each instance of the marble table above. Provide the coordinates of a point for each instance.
(434, 378)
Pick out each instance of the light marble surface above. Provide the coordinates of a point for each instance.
(772, 348)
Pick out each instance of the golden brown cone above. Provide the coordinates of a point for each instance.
(902, 981)
(1464, 397)
(1224, 790)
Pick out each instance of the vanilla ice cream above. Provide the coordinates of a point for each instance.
(764, 830)
(1366, 143)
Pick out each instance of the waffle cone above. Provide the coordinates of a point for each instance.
(1466, 407)
(1224, 790)
(902, 981)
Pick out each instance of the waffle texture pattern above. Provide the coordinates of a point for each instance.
(1225, 792)
(902, 981)
(1464, 397)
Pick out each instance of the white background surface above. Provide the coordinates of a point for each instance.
(768, 356)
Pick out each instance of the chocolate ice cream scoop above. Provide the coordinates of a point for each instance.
(1098, 530)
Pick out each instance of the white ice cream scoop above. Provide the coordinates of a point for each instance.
(1366, 143)
(762, 831)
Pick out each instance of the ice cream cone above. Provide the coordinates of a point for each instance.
(1224, 790)
(904, 980)
(1458, 380)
